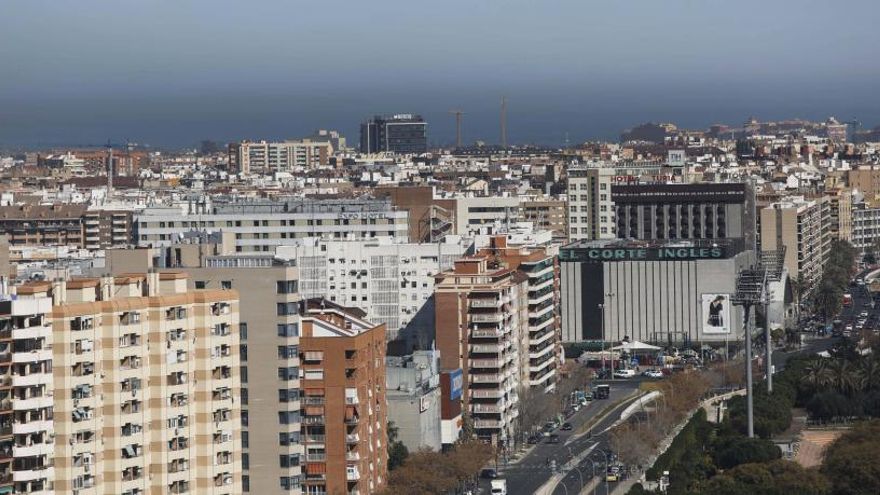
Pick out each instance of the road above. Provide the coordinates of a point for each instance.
(525, 476)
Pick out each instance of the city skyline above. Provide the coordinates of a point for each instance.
(171, 77)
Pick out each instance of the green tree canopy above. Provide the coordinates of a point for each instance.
(852, 462)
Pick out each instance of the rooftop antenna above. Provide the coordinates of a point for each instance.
(504, 122)
(458, 114)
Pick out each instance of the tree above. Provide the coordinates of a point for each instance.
(397, 451)
(852, 462)
(534, 409)
(817, 375)
(830, 405)
(736, 450)
(774, 478)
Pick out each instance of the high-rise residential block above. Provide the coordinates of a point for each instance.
(261, 225)
(392, 281)
(482, 329)
(125, 385)
(804, 228)
(344, 414)
(590, 208)
(266, 157)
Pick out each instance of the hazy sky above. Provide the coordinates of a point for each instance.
(172, 72)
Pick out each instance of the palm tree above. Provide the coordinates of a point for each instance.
(818, 376)
(846, 376)
(869, 373)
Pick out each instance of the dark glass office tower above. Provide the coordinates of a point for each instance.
(402, 133)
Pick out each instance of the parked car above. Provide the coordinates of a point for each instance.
(566, 427)
(652, 373)
(613, 473)
(489, 474)
(603, 374)
(533, 439)
(624, 373)
(554, 438)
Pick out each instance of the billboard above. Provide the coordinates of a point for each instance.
(456, 381)
(716, 313)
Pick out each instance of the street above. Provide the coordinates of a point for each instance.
(527, 474)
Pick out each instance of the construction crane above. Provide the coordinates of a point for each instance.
(504, 122)
(458, 114)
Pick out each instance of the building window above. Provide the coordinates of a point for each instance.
(201, 284)
(288, 417)
(246, 483)
(287, 286)
(288, 395)
(287, 309)
(288, 351)
(288, 438)
(242, 331)
(244, 395)
(243, 352)
(289, 373)
(226, 284)
(288, 329)
(245, 460)
(288, 461)
(245, 440)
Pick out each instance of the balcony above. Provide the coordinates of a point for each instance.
(34, 474)
(486, 408)
(352, 438)
(32, 403)
(486, 333)
(486, 378)
(487, 318)
(486, 348)
(485, 303)
(352, 474)
(486, 394)
(31, 379)
(486, 363)
(31, 427)
(352, 456)
(488, 424)
(35, 355)
(37, 449)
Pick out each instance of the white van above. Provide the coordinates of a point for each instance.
(499, 487)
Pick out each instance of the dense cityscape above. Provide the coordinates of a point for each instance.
(448, 248)
(313, 316)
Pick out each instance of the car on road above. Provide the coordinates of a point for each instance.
(602, 392)
(554, 438)
(612, 473)
(488, 474)
(863, 314)
(603, 374)
(652, 373)
(499, 487)
(624, 373)
(534, 439)
(566, 427)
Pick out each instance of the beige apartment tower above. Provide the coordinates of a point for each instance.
(144, 383)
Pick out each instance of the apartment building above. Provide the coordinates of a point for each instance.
(804, 228)
(482, 329)
(866, 180)
(471, 213)
(865, 227)
(261, 225)
(104, 229)
(266, 157)
(590, 208)
(344, 413)
(269, 333)
(127, 385)
(392, 282)
(841, 204)
(543, 338)
(26, 387)
(546, 213)
(42, 225)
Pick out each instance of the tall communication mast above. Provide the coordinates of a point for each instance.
(458, 114)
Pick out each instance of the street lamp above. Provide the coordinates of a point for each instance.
(605, 457)
(607, 295)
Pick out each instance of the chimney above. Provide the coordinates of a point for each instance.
(59, 291)
(152, 282)
(106, 287)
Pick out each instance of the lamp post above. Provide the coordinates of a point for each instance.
(607, 462)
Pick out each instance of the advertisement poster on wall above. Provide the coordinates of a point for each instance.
(716, 313)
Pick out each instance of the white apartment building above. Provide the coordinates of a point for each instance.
(590, 208)
(473, 212)
(263, 156)
(392, 281)
(261, 226)
(865, 227)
